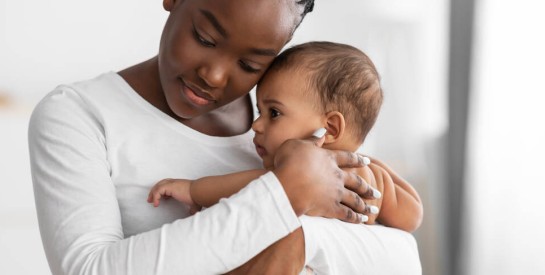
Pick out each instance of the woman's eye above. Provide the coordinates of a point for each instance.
(202, 40)
(247, 67)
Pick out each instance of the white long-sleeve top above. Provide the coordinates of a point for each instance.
(97, 148)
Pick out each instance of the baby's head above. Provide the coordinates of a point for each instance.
(315, 85)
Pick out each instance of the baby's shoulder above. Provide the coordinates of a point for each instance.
(373, 174)
(370, 175)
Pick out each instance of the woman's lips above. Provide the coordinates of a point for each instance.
(195, 95)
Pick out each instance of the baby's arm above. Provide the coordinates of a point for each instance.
(205, 191)
(401, 206)
(208, 191)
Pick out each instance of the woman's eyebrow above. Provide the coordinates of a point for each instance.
(266, 52)
(214, 21)
(221, 30)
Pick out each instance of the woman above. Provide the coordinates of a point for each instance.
(98, 145)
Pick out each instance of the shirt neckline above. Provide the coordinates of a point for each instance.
(176, 125)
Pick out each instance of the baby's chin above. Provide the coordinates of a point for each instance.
(268, 164)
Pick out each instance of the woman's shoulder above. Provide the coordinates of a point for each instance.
(75, 90)
(91, 95)
(74, 103)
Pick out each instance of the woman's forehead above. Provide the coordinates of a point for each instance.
(262, 20)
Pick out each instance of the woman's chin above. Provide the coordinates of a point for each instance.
(186, 112)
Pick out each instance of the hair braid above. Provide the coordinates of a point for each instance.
(308, 7)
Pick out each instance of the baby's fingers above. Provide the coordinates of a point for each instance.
(154, 197)
(157, 192)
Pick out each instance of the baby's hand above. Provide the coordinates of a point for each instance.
(178, 189)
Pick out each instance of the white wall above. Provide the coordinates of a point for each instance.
(46, 43)
(505, 180)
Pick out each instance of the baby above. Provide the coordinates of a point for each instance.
(313, 86)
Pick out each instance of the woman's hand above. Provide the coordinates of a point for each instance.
(315, 183)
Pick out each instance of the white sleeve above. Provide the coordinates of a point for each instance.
(336, 247)
(80, 221)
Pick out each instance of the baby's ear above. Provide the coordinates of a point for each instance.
(335, 127)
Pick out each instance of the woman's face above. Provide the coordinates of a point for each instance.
(214, 51)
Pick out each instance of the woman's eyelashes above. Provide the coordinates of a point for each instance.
(203, 41)
(247, 67)
(210, 44)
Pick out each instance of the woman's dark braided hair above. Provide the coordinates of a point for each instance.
(308, 7)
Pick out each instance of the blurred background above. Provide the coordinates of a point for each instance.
(463, 117)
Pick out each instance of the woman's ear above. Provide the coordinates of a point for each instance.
(335, 126)
(168, 5)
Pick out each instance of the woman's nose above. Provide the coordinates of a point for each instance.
(214, 74)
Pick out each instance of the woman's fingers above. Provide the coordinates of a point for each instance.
(357, 184)
(357, 189)
(322, 188)
(345, 213)
(357, 204)
(346, 159)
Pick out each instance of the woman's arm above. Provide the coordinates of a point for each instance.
(80, 216)
(328, 246)
(401, 206)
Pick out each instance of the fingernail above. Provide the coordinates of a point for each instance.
(363, 160)
(320, 132)
(373, 209)
(376, 194)
(364, 218)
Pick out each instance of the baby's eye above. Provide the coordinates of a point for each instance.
(274, 113)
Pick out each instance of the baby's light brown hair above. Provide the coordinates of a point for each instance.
(344, 78)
